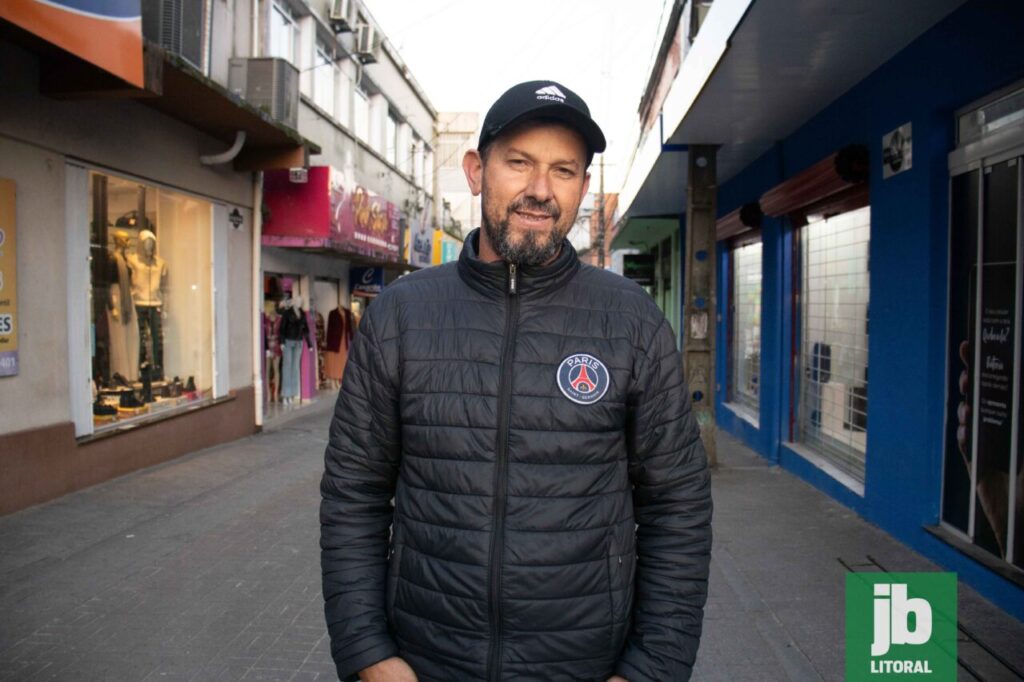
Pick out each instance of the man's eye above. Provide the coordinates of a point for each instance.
(517, 163)
(566, 173)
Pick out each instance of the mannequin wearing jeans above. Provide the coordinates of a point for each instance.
(149, 280)
(294, 329)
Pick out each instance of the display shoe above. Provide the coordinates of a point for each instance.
(128, 400)
(120, 380)
(174, 390)
(190, 385)
(147, 384)
(101, 409)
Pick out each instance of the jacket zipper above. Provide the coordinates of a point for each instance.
(501, 472)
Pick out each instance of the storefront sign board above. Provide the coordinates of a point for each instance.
(366, 281)
(105, 33)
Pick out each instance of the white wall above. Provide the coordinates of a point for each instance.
(38, 394)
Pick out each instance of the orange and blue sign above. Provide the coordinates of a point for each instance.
(106, 33)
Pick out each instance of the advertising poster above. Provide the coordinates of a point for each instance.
(8, 282)
(421, 239)
(366, 221)
(980, 471)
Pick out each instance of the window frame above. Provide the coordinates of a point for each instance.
(749, 408)
(291, 26)
(853, 199)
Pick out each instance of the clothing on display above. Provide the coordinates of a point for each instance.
(272, 354)
(151, 338)
(294, 325)
(308, 384)
(150, 318)
(149, 279)
(294, 331)
(149, 272)
(123, 330)
(321, 346)
(290, 366)
(340, 330)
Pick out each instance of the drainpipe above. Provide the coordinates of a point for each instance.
(254, 49)
(257, 295)
(228, 156)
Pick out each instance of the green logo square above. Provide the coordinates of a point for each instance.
(900, 626)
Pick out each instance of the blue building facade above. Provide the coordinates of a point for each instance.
(940, 123)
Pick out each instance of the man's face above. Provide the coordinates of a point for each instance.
(532, 180)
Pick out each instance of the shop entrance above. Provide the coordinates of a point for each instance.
(983, 489)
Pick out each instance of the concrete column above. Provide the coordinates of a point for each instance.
(698, 331)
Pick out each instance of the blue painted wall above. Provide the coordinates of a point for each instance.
(968, 55)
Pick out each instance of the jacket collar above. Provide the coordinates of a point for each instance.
(492, 279)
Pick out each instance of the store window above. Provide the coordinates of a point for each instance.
(361, 107)
(151, 309)
(983, 486)
(832, 414)
(745, 327)
(343, 108)
(284, 34)
(391, 139)
(325, 74)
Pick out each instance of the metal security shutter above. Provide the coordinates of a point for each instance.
(833, 348)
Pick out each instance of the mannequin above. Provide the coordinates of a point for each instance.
(149, 283)
(340, 330)
(294, 329)
(124, 331)
(272, 351)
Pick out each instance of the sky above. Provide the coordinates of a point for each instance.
(465, 53)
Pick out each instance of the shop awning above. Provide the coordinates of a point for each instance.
(644, 233)
(759, 69)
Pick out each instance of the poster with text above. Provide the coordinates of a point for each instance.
(8, 282)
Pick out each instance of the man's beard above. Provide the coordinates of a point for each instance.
(531, 248)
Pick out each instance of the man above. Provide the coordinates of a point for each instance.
(528, 415)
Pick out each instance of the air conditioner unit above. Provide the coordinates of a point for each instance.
(366, 44)
(341, 16)
(268, 83)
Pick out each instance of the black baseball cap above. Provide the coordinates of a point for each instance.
(541, 99)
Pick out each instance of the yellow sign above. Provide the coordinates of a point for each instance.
(8, 282)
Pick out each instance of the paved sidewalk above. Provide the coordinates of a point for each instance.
(207, 568)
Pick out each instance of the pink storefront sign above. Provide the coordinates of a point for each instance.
(328, 212)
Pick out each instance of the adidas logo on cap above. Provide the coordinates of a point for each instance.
(551, 93)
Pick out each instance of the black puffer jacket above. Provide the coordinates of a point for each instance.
(537, 534)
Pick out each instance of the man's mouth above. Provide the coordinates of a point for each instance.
(534, 217)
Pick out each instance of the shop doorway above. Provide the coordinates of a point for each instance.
(983, 486)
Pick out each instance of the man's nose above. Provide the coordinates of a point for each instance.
(540, 186)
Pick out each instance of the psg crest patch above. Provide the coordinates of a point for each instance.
(583, 378)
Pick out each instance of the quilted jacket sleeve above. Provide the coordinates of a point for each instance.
(672, 506)
(361, 466)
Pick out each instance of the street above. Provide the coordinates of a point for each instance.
(207, 568)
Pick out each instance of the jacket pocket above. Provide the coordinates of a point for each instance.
(621, 576)
(394, 565)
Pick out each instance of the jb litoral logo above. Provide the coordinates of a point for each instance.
(900, 626)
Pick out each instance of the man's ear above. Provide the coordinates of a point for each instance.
(473, 166)
(586, 186)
